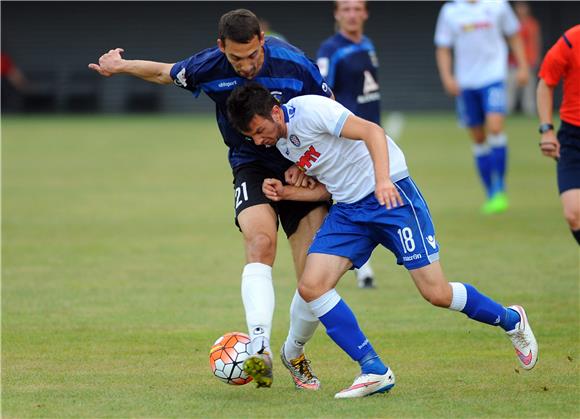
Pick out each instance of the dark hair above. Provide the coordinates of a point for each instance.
(247, 101)
(239, 25)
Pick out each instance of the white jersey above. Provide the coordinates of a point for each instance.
(314, 143)
(476, 31)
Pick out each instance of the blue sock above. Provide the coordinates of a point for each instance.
(343, 329)
(483, 162)
(499, 153)
(477, 306)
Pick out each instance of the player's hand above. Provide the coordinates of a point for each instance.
(451, 86)
(273, 189)
(549, 145)
(109, 63)
(522, 76)
(388, 194)
(295, 176)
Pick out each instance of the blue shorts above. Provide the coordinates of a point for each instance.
(474, 104)
(354, 230)
(569, 163)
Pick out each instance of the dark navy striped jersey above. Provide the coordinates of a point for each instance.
(351, 70)
(286, 72)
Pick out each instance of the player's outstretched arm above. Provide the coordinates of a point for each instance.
(113, 63)
(374, 137)
(275, 191)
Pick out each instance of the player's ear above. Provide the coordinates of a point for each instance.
(262, 38)
(221, 45)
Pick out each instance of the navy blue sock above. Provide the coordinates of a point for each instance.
(576, 234)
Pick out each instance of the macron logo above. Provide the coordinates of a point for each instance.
(180, 79)
(431, 241)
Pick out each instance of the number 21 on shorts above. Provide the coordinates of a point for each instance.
(241, 194)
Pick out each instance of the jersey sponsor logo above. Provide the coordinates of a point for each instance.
(470, 27)
(180, 79)
(295, 140)
(305, 162)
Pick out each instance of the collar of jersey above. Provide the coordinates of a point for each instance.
(286, 116)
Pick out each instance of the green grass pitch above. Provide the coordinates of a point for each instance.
(121, 266)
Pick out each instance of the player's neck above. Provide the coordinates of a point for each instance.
(354, 36)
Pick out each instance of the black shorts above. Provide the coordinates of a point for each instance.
(569, 163)
(248, 180)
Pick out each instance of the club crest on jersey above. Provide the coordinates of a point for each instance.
(295, 140)
(291, 111)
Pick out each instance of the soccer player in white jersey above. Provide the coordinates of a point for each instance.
(376, 203)
(476, 32)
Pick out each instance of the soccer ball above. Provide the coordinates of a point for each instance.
(226, 357)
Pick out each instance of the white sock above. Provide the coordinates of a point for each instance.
(303, 324)
(497, 140)
(258, 298)
(459, 298)
(325, 303)
(364, 271)
(482, 149)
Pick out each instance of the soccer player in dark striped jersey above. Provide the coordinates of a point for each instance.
(349, 62)
(243, 53)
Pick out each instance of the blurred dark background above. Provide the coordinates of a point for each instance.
(52, 43)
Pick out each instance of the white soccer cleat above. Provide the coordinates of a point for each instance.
(367, 385)
(301, 372)
(524, 341)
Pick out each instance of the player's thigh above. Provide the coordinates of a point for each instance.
(494, 101)
(321, 274)
(569, 162)
(408, 230)
(469, 108)
(255, 216)
(302, 237)
(341, 234)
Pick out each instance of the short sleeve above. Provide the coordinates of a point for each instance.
(327, 116)
(508, 20)
(443, 29)
(323, 59)
(555, 63)
(184, 74)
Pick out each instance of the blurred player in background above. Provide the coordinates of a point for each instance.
(475, 31)
(349, 62)
(563, 62)
(14, 83)
(244, 54)
(377, 202)
(532, 39)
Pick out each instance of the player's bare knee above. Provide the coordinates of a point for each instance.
(261, 247)
(309, 290)
(572, 216)
(439, 297)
